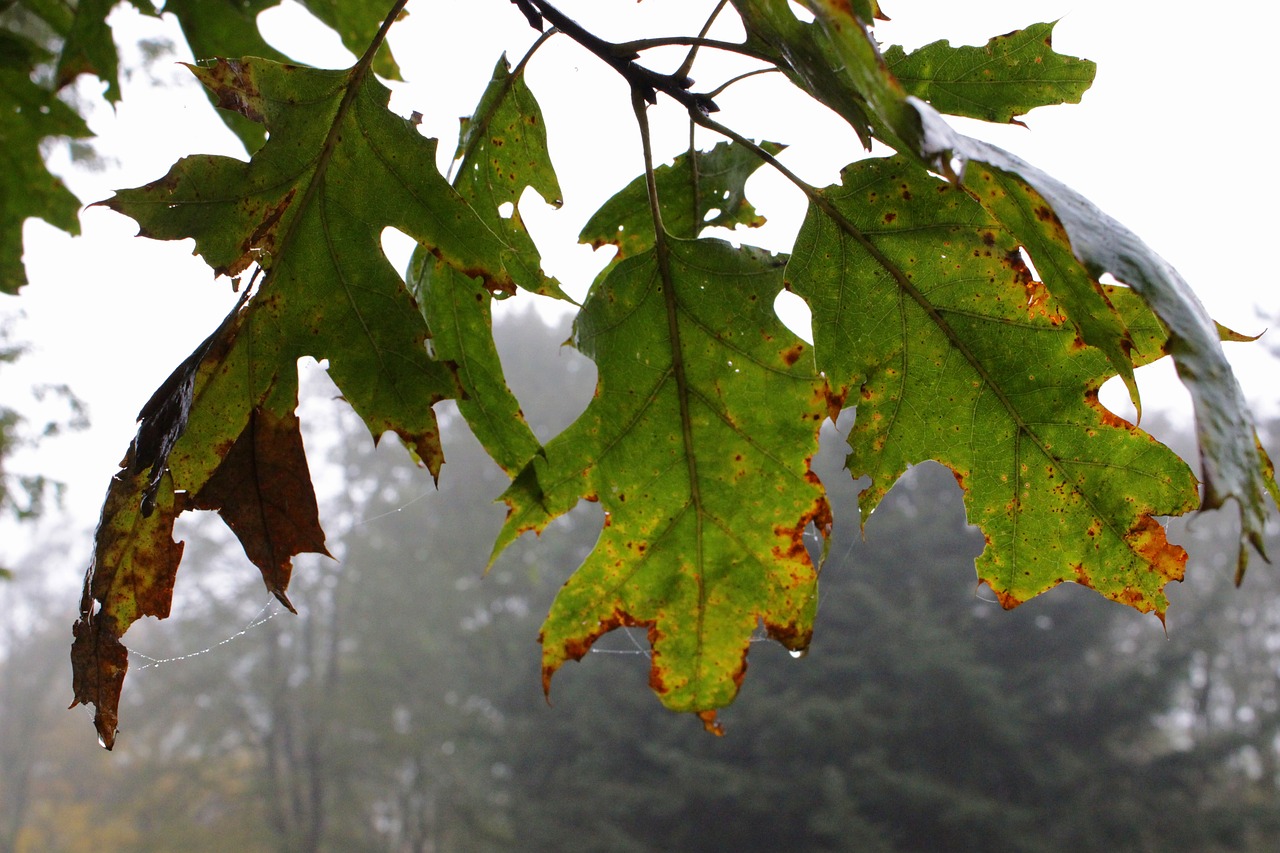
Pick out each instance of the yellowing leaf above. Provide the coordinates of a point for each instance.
(837, 61)
(697, 446)
(927, 319)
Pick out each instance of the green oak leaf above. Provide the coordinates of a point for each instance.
(459, 312)
(29, 114)
(837, 61)
(90, 49)
(314, 223)
(1007, 77)
(1233, 464)
(926, 318)
(502, 150)
(706, 190)
(697, 446)
(309, 210)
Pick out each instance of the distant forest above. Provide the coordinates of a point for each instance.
(402, 710)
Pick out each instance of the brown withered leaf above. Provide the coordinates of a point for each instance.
(135, 563)
(163, 418)
(263, 492)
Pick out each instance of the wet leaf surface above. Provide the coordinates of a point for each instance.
(697, 446)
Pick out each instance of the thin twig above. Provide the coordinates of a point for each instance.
(641, 45)
(726, 84)
(687, 65)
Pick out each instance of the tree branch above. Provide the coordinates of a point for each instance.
(644, 81)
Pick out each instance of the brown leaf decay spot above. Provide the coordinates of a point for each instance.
(834, 399)
(792, 545)
(1147, 538)
(576, 648)
(1108, 417)
(231, 88)
(263, 492)
(1007, 599)
(98, 665)
(790, 635)
(710, 723)
(499, 284)
(1045, 214)
(792, 354)
(263, 239)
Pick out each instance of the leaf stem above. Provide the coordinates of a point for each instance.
(662, 253)
(773, 69)
(640, 45)
(687, 65)
(381, 36)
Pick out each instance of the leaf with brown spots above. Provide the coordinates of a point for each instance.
(135, 563)
(501, 152)
(314, 221)
(309, 210)
(1007, 77)
(697, 446)
(959, 356)
(836, 60)
(700, 191)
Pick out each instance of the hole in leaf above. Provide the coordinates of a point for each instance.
(398, 247)
(1026, 259)
(506, 210)
(711, 214)
(801, 13)
(795, 314)
(291, 28)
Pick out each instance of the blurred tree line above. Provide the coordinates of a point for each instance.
(403, 711)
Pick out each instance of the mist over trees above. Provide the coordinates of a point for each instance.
(402, 711)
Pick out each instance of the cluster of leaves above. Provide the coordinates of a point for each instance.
(927, 319)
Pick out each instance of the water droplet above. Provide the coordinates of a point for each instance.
(798, 653)
(102, 742)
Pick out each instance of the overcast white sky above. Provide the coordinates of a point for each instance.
(1170, 140)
